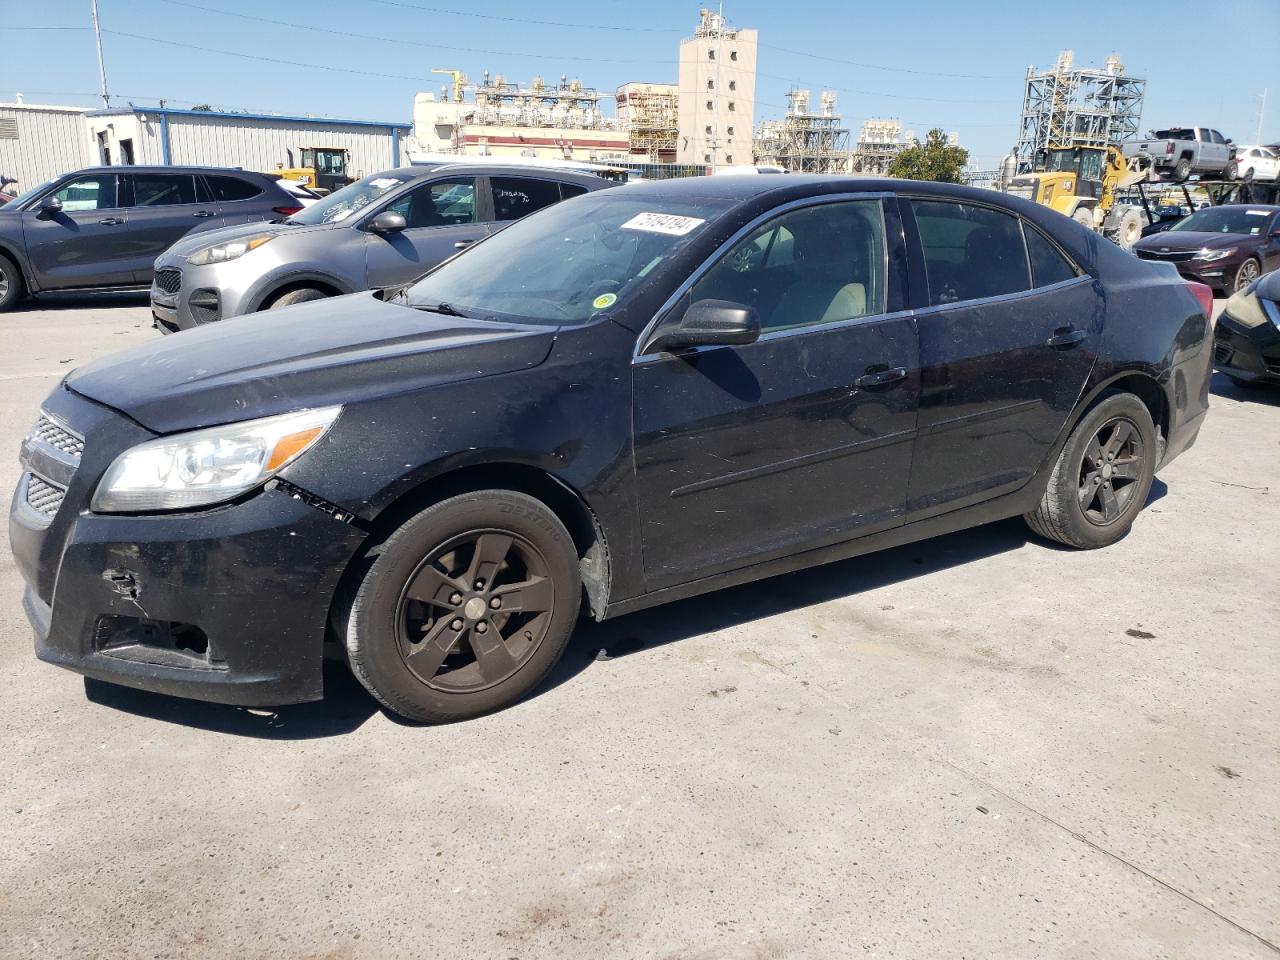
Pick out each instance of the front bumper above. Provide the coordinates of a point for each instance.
(228, 604)
(184, 296)
(1218, 274)
(1247, 353)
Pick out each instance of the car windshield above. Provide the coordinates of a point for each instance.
(352, 198)
(22, 198)
(569, 261)
(1243, 220)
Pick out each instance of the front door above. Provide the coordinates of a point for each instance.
(1008, 335)
(801, 439)
(441, 216)
(83, 244)
(163, 208)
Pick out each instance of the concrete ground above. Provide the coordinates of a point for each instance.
(979, 746)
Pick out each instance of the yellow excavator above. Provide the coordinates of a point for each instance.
(323, 169)
(1081, 182)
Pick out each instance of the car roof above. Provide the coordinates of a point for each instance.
(417, 171)
(789, 186)
(167, 168)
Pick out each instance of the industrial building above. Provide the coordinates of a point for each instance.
(649, 113)
(548, 120)
(38, 142)
(879, 141)
(803, 141)
(717, 93)
(1078, 107)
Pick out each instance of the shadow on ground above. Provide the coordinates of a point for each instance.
(1223, 386)
(84, 301)
(347, 705)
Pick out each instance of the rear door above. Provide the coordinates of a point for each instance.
(233, 201)
(442, 216)
(1008, 329)
(802, 439)
(162, 208)
(84, 244)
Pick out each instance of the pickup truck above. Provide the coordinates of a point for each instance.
(1182, 151)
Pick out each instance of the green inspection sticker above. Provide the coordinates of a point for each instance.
(605, 301)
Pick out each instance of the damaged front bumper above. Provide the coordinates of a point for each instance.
(228, 604)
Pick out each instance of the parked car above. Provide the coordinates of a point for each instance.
(627, 398)
(1180, 152)
(1247, 335)
(5, 193)
(299, 191)
(380, 232)
(102, 228)
(1257, 163)
(1226, 247)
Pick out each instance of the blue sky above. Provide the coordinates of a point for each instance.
(1204, 63)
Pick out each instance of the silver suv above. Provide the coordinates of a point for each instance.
(379, 232)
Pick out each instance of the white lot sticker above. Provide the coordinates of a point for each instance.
(668, 223)
(1257, 213)
(383, 183)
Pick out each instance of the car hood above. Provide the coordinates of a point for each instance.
(1191, 240)
(192, 242)
(1269, 286)
(340, 350)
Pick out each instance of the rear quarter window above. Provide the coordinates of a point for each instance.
(231, 188)
(1048, 266)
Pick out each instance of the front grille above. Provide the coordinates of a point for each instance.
(44, 497)
(169, 279)
(1173, 256)
(55, 435)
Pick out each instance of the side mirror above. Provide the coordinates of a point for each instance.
(711, 323)
(387, 222)
(50, 205)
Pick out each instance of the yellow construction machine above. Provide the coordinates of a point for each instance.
(1082, 182)
(323, 169)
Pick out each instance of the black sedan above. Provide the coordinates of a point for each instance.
(628, 398)
(1247, 337)
(1226, 247)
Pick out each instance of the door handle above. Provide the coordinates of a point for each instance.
(879, 375)
(463, 244)
(204, 213)
(1066, 337)
(111, 221)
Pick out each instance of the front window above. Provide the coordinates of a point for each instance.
(97, 192)
(445, 203)
(568, 262)
(1241, 220)
(351, 199)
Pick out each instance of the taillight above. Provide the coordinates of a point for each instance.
(1204, 295)
(287, 211)
(1168, 147)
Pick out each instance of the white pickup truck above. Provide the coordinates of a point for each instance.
(1181, 151)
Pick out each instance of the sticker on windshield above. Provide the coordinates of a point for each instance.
(605, 301)
(1257, 213)
(668, 223)
(384, 183)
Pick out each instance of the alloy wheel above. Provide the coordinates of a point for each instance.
(4, 282)
(1247, 273)
(1110, 470)
(474, 611)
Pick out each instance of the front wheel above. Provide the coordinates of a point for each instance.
(1248, 272)
(1084, 217)
(466, 607)
(1102, 476)
(302, 295)
(10, 283)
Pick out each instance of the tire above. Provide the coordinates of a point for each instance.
(1130, 229)
(303, 295)
(1232, 171)
(1084, 217)
(1246, 273)
(1182, 169)
(1080, 516)
(423, 630)
(11, 285)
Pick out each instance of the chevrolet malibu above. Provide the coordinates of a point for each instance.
(631, 397)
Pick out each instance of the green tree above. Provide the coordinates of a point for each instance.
(931, 160)
(202, 108)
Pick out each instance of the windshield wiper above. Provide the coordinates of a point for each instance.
(443, 308)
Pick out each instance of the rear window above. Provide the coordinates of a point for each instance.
(1175, 135)
(516, 197)
(231, 188)
(163, 189)
(970, 252)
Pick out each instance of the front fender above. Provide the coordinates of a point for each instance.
(264, 287)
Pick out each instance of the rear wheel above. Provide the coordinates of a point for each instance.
(1102, 476)
(10, 283)
(465, 608)
(1182, 169)
(302, 295)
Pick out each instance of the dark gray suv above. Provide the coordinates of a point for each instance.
(103, 227)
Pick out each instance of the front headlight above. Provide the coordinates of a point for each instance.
(208, 466)
(1245, 308)
(231, 250)
(1210, 255)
